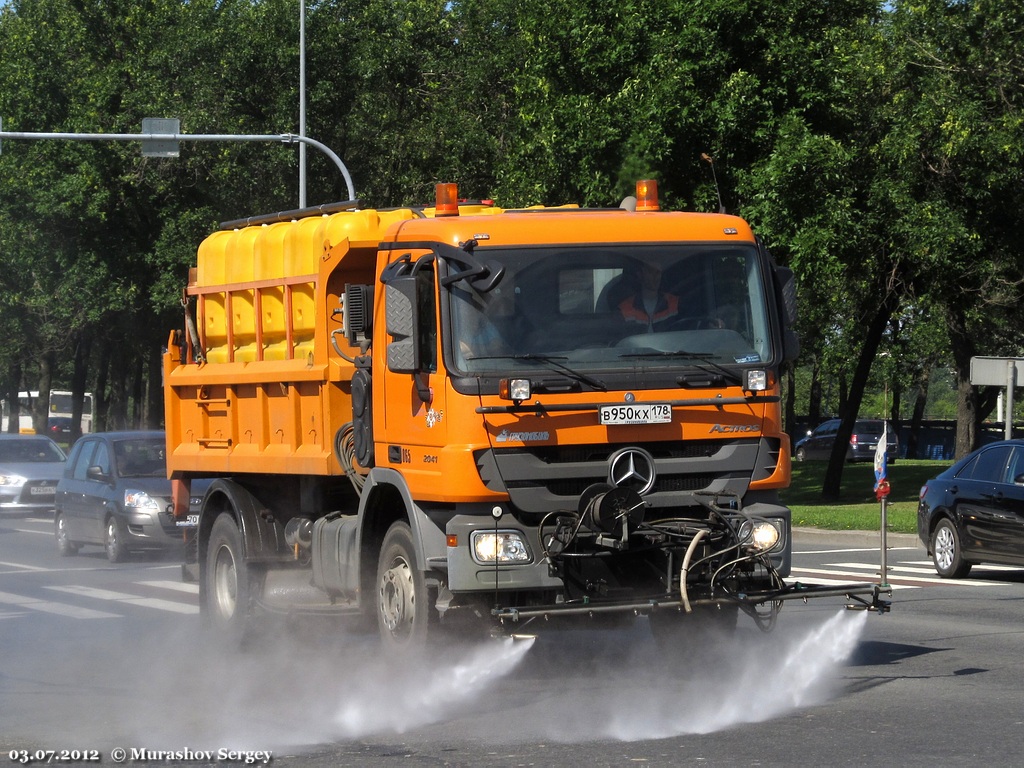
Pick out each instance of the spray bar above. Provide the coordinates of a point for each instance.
(792, 592)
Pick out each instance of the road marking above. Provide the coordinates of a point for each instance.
(901, 568)
(911, 579)
(29, 530)
(177, 586)
(61, 609)
(906, 568)
(21, 567)
(122, 597)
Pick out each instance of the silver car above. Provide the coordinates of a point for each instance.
(30, 466)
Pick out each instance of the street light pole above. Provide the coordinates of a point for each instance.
(302, 103)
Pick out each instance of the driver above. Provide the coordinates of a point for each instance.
(650, 308)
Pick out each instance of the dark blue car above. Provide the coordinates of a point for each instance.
(115, 493)
(974, 511)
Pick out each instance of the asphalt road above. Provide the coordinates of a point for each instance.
(100, 658)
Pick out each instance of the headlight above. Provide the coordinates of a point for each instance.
(514, 389)
(139, 500)
(759, 535)
(757, 381)
(11, 480)
(489, 547)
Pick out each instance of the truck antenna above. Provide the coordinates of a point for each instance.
(707, 158)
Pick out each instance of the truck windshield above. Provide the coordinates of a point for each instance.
(614, 307)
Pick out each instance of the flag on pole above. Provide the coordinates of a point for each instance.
(881, 481)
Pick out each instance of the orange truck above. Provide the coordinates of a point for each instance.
(460, 414)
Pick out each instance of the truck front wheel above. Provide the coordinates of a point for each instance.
(403, 609)
(228, 594)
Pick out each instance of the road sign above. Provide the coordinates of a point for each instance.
(999, 372)
(161, 126)
(994, 371)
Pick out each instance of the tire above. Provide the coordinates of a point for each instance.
(113, 541)
(65, 547)
(402, 604)
(801, 454)
(228, 604)
(947, 554)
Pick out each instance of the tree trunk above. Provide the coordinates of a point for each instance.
(964, 349)
(41, 405)
(872, 338)
(100, 395)
(78, 383)
(920, 402)
(14, 400)
(814, 407)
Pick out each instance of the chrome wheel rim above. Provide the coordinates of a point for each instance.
(397, 598)
(111, 537)
(225, 583)
(945, 548)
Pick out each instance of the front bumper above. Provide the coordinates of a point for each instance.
(146, 529)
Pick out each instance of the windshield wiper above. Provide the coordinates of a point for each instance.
(703, 357)
(553, 363)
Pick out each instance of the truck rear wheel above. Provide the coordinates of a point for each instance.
(403, 609)
(229, 592)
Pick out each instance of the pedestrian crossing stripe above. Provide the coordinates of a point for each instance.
(60, 609)
(894, 573)
(22, 605)
(128, 599)
(177, 586)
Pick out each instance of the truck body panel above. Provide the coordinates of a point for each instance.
(537, 409)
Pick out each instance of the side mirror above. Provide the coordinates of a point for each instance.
(401, 298)
(786, 283)
(95, 472)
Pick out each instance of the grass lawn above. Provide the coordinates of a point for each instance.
(857, 509)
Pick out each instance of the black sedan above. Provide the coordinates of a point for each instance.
(115, 493)
(974, 511)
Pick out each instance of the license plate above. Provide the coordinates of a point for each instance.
(636, 413)
(41, 490)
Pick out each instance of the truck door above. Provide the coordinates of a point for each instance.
(415, 427)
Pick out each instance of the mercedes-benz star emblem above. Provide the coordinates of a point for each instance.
(632, 468)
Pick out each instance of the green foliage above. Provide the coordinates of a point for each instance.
(856, 508)
(877, 147)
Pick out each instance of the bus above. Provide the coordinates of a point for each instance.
(59, 427)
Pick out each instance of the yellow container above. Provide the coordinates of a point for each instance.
(211, 266)
(268, 266)
(239, 269)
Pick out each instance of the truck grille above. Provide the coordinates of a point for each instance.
(546, 478)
